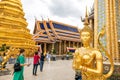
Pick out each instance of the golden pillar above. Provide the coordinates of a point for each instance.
(115, 32)
(64, 46)
(60, 47)
(73, 44)
(52, 45)
(77, 44)
(111, 29)
(91, 25)
(111, 17)
(110, 25)
(69, 44)
(44, 48)
(95, 23)
(81, 44)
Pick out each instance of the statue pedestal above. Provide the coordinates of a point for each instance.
(4, 72)
(116, 73)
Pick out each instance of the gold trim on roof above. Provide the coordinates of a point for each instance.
(47, 31)
(63, 24)
(53, 29)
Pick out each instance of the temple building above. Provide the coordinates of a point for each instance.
(106, 13)
(52, 35)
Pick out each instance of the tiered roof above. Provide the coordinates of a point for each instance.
(52, 31)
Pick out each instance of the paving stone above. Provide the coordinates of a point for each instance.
(55, 70)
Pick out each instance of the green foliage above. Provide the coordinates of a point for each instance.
(54, 51)
(69, 53)
(4, 47)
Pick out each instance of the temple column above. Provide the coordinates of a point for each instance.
(80, 44)
(95, 22)
(64, 47)
(111, 29)
(44, 48)
(73, 44)
(115, 32)
(91, 25)
(111, 32)
(108, 39)
(77, 44)
(52, 45)
(69, 44)
(60, 47)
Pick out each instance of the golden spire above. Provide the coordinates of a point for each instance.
(86, 24)
(86, 18)
(13, 25)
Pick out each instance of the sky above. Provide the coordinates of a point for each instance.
(65, 11)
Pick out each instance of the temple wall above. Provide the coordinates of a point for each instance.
(106, 13)
(118, 17)
(62, 50)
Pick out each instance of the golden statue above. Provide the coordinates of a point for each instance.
(87, 60)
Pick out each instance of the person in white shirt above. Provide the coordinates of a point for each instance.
(48, 56)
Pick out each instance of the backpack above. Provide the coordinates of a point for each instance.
(17, 66)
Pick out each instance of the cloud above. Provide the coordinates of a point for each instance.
(66, 11)
(66, 8)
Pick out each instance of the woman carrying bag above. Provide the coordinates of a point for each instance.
(18, 75)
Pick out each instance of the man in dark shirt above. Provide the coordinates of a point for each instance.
(42, 61)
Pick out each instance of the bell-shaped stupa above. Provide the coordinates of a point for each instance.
(13, 25)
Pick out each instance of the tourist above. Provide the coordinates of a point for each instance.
(78, 75)
(1, 59)
(48, 56)
(35, 63)
(21, 59)
(42, 61)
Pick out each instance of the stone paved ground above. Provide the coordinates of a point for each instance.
(55, 70)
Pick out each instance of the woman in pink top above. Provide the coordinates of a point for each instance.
(35, 63)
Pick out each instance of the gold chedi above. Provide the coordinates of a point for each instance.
(13, 25)
(13, 29)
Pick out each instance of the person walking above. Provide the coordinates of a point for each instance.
(35, 63)
(48, 56)
(42, 61)
(1, 59)
(21, 59)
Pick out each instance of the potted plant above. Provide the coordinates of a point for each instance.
(53, 55)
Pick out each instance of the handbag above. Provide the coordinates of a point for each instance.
(17, 66)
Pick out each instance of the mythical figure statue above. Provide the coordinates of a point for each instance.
(88, 60)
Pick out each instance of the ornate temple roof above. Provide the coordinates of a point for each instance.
(52, 31)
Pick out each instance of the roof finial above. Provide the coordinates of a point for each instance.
(42, 18)
(86, 25)
(48, 18)
(86, 17)
(35, 18)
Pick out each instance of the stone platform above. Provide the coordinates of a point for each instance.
(4, 72)
(116, 73)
